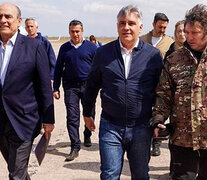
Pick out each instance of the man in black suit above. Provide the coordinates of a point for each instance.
(26, 100)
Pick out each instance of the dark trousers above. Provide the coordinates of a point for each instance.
(15, 151)
(188, 164)
(73, 96)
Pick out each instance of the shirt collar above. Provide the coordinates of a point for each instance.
(77, 44)
(12, 40)
(124, 49)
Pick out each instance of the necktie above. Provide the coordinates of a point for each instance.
(1, 62)
(2, 53)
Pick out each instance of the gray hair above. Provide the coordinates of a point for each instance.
(18, 11)
(130, 9)
(32, 19)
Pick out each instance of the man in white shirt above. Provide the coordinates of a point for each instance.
(25, 93)
(127, 71)
(157, 36)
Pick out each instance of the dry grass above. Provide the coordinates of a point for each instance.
(62, 40)
(105, 40)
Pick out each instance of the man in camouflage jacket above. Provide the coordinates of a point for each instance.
(182, 96)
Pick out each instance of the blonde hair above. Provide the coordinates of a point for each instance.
(177, 43)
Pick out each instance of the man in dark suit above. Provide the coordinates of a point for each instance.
(26, 100)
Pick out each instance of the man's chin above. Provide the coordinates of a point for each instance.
(193, 47)
(127, 39)
(4, 32)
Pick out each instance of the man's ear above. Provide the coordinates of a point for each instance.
(20, 22)
(153, 24)
(141, 26)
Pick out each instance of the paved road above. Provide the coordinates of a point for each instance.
(86, 166)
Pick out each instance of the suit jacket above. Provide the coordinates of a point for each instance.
(26, 92)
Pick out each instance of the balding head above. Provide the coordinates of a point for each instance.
(18, 11)
(10, 20)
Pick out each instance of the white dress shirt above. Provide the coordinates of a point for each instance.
(127, 57)
(77, 45)
(6, 55)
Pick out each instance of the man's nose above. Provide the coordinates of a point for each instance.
(126, 26)
(189, 37)
(162, 30)
(2, 19)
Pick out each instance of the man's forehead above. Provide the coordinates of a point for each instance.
(30, 21)
(130, 14)
(76, 27)
(161, 22)
(8, 9)
(195, 24)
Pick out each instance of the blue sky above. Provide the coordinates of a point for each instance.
(98, 16)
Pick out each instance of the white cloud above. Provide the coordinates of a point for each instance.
(98, 16)
(100, 7)
(33, 7)
(41, 9)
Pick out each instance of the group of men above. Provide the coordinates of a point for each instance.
(130, 74)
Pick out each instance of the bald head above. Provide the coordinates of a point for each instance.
(18, 11)
(10, 20)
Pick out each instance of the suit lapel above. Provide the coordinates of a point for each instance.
(15, 54)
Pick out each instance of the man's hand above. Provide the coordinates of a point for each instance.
(160, 127)
(89, 122)
(48, 128)
(56, 95)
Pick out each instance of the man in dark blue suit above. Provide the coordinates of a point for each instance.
(26, 100)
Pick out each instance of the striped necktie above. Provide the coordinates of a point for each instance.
(2, 53)
(1, 62)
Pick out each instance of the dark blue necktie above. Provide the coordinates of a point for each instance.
(1, 63)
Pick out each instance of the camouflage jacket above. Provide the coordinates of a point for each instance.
(182, 96)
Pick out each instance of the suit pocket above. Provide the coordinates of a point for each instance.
(30, 108)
